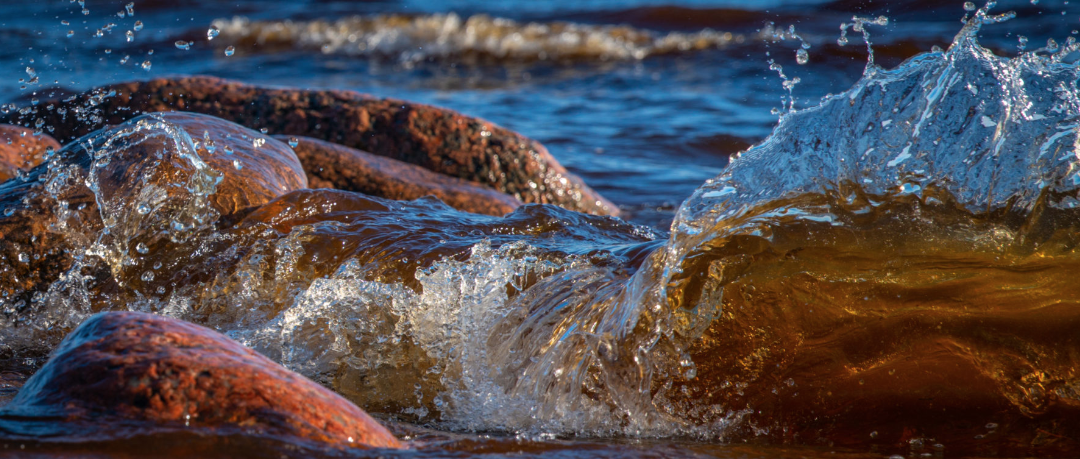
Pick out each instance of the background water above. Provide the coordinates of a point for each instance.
(644, 132)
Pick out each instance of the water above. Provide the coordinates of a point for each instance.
(887, 270)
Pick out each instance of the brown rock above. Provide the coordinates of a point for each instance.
(330, 165)
(164, 373)
(21, 149)
(437, 139)
(160, 183)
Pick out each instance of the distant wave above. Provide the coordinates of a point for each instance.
(479, 37)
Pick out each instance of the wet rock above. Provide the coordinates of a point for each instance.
(330, 165)
(124, 372)
(154, 182)
(437, 139)
(21, 149)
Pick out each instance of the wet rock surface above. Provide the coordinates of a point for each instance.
(330, 165)
(167, 174)
(437, 139)
(164, 373)
(21, 149)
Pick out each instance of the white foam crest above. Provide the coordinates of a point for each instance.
(415, 38)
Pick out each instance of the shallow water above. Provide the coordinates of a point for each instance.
(889, 271)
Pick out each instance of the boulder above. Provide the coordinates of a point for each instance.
(156, 180)
(142, 371)
(434, 138)
(21, 149)
(330, 165)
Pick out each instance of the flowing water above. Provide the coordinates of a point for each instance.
(887, 270)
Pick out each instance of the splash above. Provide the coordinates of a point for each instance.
(921, 201)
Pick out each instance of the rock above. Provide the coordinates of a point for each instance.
(21, 149)
(330, 165)
(156, 182)
(437, 139)
(130, 370)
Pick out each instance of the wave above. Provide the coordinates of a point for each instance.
(478, 37)
(908, 243)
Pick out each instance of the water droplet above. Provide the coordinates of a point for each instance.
(293, 142)
(969, 6)
(71, 33)
(229, 51)
(147, 276)
(146, 65)
(1034, 2)
(157, 265)
(184, 45)
(212, 32)
(23, 257)
(161, 290)
(141, 248)
(228, 150)
(130, 7)
(237, 165)
(802, 57)
(258, 142)
(264, 130)
(142, 209)
(138, 26)
(130, 36)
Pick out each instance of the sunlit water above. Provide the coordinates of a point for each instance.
(861, 250)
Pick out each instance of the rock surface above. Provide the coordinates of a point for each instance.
(437, 139)
(158, 182)
(21, 149)
(330, 165)
(170, 374)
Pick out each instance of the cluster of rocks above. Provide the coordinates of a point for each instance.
(132, 369)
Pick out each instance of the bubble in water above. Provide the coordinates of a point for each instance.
(802, 57)
(293, 142)
(138, 26)
(182, 44)
(142, 209)
(147, 276)
(146, 65)
(229, 51)
(9, 211)
(212, 32)
(969, 6)
(141, 248)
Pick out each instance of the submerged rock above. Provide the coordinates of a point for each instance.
(437, 139)
(329, 165)
(21, 149)
(154, 181)
(166, 374)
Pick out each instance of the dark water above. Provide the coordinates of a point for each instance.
(647, 101)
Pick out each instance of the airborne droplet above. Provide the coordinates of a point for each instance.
(146, 65)
(182, 44)
(293, 142)
(138, 26)
(802, 57)
(229, 51)
(212, 32)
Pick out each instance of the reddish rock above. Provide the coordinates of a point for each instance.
(149, 164)
(330, 165)
(437, 139)
(21, 149)
(164, 373)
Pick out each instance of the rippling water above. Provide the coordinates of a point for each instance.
(887, 269)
